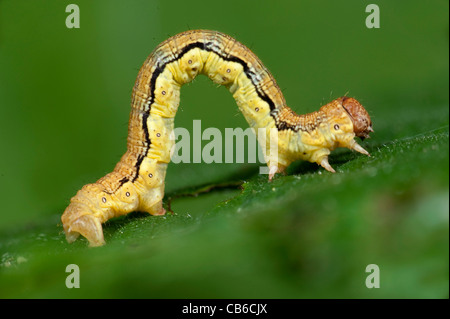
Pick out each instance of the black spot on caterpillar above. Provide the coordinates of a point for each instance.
(137, 182)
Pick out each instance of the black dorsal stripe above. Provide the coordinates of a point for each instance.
(138, 164)
(123, 181)
(209, 46)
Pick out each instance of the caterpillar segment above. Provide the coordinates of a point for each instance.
(137, 182)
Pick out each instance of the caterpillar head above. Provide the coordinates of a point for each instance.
(347, 118)
(362, 125)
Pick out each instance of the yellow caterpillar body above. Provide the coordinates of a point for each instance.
(137, 182)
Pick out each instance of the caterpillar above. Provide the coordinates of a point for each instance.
(137, 182)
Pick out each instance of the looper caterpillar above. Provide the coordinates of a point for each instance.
(137, 182)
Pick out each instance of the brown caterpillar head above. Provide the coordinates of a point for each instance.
(362, 125)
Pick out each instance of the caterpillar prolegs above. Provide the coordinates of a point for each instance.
(137, 182)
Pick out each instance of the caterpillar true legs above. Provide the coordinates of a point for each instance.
(137, 182)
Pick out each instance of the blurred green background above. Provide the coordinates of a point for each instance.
(64, 107)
